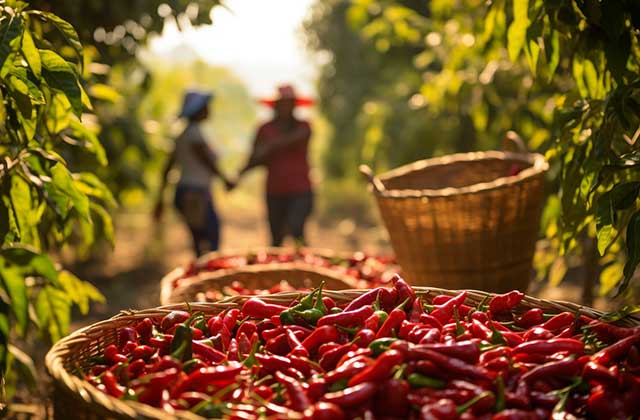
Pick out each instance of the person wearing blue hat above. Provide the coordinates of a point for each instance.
(198, 167)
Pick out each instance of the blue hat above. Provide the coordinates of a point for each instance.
(194, 102)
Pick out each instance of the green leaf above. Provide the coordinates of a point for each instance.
(22, 204)
(91, 185)
(105, 221)
(517, 33)
(609, 277)
(552, 49)
(80, 292)
(53, 309)
(104, 93)
(31, 54)
(31, 262)
(65, 28)
(63, 182)
(633, 250)
(91, 140)
(14, 284)
(10, 31)
(61, 76)
(621, 314)
(591, 79)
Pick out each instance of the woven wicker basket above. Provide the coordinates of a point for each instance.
(459, 222)
(75, 398)
(263, 276)
(168, 288)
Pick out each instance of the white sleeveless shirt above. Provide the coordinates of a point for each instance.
(193, 172)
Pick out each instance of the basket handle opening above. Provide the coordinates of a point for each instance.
(375, 181)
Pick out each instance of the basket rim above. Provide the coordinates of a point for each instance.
(538, 168)
(56, 356)
(166, 283)
(167, 289)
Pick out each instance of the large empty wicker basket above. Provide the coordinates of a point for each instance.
(461, 221)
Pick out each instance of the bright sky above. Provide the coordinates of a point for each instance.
(260, 41)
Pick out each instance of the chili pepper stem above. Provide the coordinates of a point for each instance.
(467, 405)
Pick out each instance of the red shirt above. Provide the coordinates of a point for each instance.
(287, 168)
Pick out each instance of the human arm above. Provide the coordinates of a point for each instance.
(208, 159)
(159, 207)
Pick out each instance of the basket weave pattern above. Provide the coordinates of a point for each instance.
(459, 222)
(75, 398)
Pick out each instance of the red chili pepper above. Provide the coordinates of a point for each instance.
(125, 335)
(537, 333)
(272, 363)
(480, 316)
(439, 410)
(208, 353)
(278, 345)
(444, 312)
(111, 385)
(392, 322)
(304, 365)
(215, 376)
(505, 302)
(330, 359)
(154, 386)
(404, 290)
(609, 333)
(559, 322)
(322, 334)
(294, 343)
(391, 398)
(604, 405)
(173, 318)
(364, 337)
(468, 350)
(498, 364)
(416, 310)
(592, 371)
(616, 351)
(530, 318)
(298, 400)
(144, 328)
(481, 331)
(248, 328)
(113, 356)
(230, 319)
(430, 320)
(372, 322)
(450, 364)
(215, 324)
(564, 367)
(494, 353)
(233, 353)
(551, 346)
(380, 369)
(257, 308)
(515, 414)
(352, 396)
(166, 363)
(348, 369)
(327, 347)
(325, 411)
(347, 318)
(364, 299)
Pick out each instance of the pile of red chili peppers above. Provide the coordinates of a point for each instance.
(369, 270)
(388, 354)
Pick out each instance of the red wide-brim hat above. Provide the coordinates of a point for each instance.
(287, 92)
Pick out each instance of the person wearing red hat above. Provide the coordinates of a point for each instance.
(281, 145)
(198, 167)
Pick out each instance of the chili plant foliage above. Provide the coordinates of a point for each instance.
(44, 204)
(597, 124)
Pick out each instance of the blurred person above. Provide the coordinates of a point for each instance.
(198, 167)
(281, 145)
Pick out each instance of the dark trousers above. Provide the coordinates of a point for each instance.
(196, 207)
(287, 216)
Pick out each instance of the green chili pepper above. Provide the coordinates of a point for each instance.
(416, 380)
(335, 310)
(318, 311)
(459, 328)
(288, 316)
(181, 343)
(381, 344)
